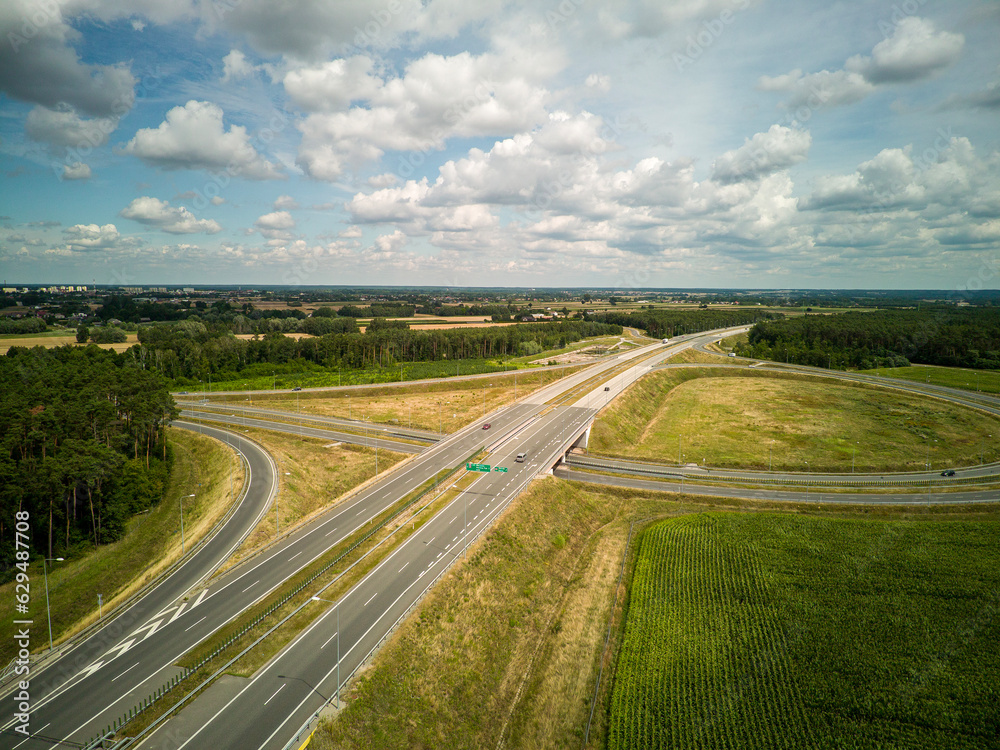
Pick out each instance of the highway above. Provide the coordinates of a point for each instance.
(57, 683)
(112, 679)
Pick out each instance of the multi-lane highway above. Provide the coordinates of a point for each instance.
(85, 694)
(63, 696)
(132, 656)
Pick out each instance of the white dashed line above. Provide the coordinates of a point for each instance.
(370, 600)
(191, 626)
(250, 586)
(274, 694)
(127, 670)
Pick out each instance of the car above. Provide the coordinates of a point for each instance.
(948, 473)
(732, 354)
(297, 388)
(486, 426)
(520, 458)
(607, 387)
(183, 393)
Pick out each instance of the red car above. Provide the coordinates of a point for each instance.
(486, 426)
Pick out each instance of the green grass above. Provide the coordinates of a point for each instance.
(201, 466)
(987, 381)
(769, 631)
(752, 419)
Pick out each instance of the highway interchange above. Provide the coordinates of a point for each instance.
(98, 678)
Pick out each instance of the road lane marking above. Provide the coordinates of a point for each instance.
(370, 600)
(329, 532)
(295, 555)
(130, 668)
(33, 734)
(274, 694)
(329, 639)
(250, 586)
(404, 566)
(192, 625)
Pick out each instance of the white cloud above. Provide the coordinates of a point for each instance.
(161, 215)
(333, 85)
(778, 148)
(915, 51)
(235, 66)
(87, 237)
(285, 202)
(437, 98)
(77, 171)
(194, 137)
(276, 226)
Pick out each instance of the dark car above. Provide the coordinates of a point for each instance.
(486, 426)
(297, 388)
(607, 387)
(948, 473)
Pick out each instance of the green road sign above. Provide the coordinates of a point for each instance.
(478, 467)
(500, 468)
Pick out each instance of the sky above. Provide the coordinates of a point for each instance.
(596, 143)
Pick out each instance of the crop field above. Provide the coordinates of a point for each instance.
(987, 381)
(778, 630)
(51, 339)
(751, 419)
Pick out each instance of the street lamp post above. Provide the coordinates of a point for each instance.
(180, 502)
(317, 599)
(48, 610)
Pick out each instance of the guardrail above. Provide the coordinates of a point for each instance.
(116, 726)
(677, 473)
(307, 726)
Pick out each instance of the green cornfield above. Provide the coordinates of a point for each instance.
(780, 631)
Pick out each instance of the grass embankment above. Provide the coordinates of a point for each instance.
(738, 418)
(771, 631)
(202, 467)
(986, 381)
(506, 648)
(430, 406)
(312, 474)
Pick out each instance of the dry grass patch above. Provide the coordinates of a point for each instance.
(429, 406)
(738, 419)
(313, 474)
(505, 650)
(49, 341)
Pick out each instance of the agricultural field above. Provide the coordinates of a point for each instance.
(789, 631)
(58, 338)
(752, 419)
(986, 381)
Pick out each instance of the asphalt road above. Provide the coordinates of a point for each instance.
(237, 421)
(285, 694)
(66, 691)
(818, 496)
(127, 663)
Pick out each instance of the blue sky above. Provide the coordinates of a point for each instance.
(628, 143)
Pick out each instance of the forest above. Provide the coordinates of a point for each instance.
(666, 323)
(950, 336)
(188, 351)
(84, 447)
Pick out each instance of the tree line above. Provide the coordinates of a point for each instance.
(82, 431)
(191, 351)
(949, 336)
(667, 323)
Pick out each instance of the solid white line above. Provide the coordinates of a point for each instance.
(127, 670)
(370, 600)
(250, 586)
(193, 624)
(33, 734)
(275, 693)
